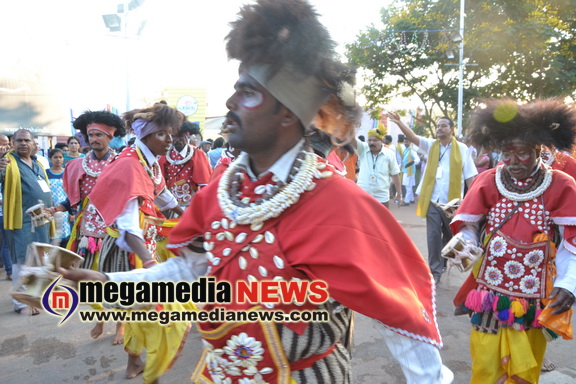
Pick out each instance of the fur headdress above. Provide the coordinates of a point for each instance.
(548, 122)
(289, 52)
(99, 117)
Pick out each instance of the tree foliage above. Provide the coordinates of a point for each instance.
(523, 49)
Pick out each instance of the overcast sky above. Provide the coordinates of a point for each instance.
(66, 42)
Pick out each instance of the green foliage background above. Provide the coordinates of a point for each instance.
(523, 49)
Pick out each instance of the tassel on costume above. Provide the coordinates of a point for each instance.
(503, 315)
(549, 334)
(518, 324)
(488, 301)
(474, 301)
(517, 309)
(83, 242)
(476, 319)
(535, 322)
(503, 303)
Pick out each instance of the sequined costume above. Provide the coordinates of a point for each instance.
(184, 177)
(516, 271)
(80, 176)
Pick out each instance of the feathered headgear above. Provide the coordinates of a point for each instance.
(548, 122)
(289, 52)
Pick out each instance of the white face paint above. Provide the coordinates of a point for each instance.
(251, 99)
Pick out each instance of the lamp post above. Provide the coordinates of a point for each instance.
(461, 69)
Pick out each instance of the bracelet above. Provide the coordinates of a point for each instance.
(147, 263)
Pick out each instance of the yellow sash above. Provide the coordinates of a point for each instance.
(455, 186)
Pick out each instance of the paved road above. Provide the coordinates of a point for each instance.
(35, 350)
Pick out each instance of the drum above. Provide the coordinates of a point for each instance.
(450, 207)
(39, 271)
(460, 253)
(38, 215)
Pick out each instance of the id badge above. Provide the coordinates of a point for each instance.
(439, 173)
(44, 185)
(372, 179)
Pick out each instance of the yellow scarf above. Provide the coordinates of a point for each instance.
(455, 186)
(13, 194)
(408, 160)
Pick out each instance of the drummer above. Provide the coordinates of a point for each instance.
(24, 185)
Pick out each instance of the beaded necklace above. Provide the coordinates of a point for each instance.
(155, 174)
(275, 198)
(86, 165)
(535, 186)
(184, 160)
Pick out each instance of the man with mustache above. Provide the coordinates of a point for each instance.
(449, 166)
(526, 279)
(280, 213)
(24, 184)
(378, 165)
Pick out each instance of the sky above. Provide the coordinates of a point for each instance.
(182, 43)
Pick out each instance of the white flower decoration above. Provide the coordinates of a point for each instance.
(513, 269)
(493, 276)
(498, 246)
(244, 351)
(530, 284)
(534, 258)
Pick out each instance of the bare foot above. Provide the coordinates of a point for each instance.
(119, 336)
(97, 330)
(547, 365)
(135, 367)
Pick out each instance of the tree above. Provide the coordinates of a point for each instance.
(523, 49)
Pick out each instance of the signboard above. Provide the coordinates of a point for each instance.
(190, 101)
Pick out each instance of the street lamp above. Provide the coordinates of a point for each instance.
(460, 40)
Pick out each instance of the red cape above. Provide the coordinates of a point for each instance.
(121, 180)
(73, 173)
(340, 234)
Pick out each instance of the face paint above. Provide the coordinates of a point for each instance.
(521, 153)
(251, 99)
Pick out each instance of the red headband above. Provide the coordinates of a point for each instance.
(108, 130)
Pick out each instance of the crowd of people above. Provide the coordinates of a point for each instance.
(288, 193)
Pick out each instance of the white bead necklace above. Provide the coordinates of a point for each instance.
(515, 196)
(278, 203)
(184, 160)
(86, 166)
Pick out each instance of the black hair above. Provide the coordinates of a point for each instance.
(54, 151)
(99, 117)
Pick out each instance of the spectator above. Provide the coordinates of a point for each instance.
(216, 152)
(24, 183)
(73, 150)
(447, 170)
(55, 173)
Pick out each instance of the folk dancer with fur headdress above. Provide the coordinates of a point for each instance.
(276, 214)
(521, 292)
(80, 176)
(185, 168)
(135, 225)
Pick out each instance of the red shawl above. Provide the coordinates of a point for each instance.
(340, 234)
(123, 179)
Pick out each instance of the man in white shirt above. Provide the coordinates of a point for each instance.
(449, 166)
(377, 165)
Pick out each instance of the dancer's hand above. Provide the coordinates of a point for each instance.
(563, 300)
